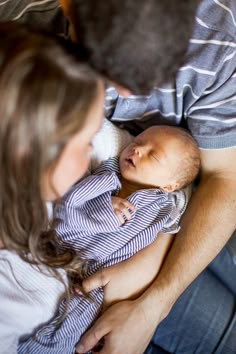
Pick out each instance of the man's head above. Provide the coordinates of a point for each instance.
(135, 43)
(161, 156)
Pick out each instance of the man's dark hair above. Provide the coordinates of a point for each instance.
(138, 44)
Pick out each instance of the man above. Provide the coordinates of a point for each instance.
(202, 97)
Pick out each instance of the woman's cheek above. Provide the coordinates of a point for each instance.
(84, 163)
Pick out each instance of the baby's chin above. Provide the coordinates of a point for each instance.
(128, 178)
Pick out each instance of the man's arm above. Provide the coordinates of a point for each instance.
(208, 223)
(130, 278)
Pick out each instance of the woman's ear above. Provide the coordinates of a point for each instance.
(122, 90)
(65, 6)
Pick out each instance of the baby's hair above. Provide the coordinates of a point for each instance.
(190, 161)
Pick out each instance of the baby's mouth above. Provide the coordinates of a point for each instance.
(130, 162)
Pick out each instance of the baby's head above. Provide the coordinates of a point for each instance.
(161, 156)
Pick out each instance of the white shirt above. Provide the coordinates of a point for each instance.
(28, 298)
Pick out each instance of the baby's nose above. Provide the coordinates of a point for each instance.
(137, 150)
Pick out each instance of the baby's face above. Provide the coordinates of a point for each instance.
(152, 158)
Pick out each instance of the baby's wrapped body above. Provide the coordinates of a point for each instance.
(88, 224)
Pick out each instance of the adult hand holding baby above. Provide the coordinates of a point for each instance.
(120, 319)
(127, 280)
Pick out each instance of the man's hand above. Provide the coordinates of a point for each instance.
(127, 327)
(206, 226)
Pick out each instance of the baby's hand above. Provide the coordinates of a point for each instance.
(122, 208)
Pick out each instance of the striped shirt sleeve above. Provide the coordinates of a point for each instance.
(39, 14)
(212, 117)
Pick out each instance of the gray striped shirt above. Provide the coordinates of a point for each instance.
(41, 14)
(202, 98)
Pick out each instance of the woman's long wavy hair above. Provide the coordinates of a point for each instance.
(45, 94)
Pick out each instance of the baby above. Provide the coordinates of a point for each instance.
(161, 157)
(116, 212)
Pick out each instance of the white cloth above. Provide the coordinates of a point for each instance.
(108, 142)
(28, 298)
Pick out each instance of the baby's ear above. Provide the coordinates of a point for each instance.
(170, 187)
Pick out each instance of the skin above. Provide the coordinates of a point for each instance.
(64, 4)
(152, 159)
(216, 195)
(125, 284)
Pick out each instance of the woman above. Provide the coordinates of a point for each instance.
(51, 106)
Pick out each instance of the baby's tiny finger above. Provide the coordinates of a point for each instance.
(129, 205)
(119, 214)
(126, 213)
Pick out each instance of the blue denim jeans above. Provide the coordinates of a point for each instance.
(203, 320)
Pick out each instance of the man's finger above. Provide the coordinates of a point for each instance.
(91, 338)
